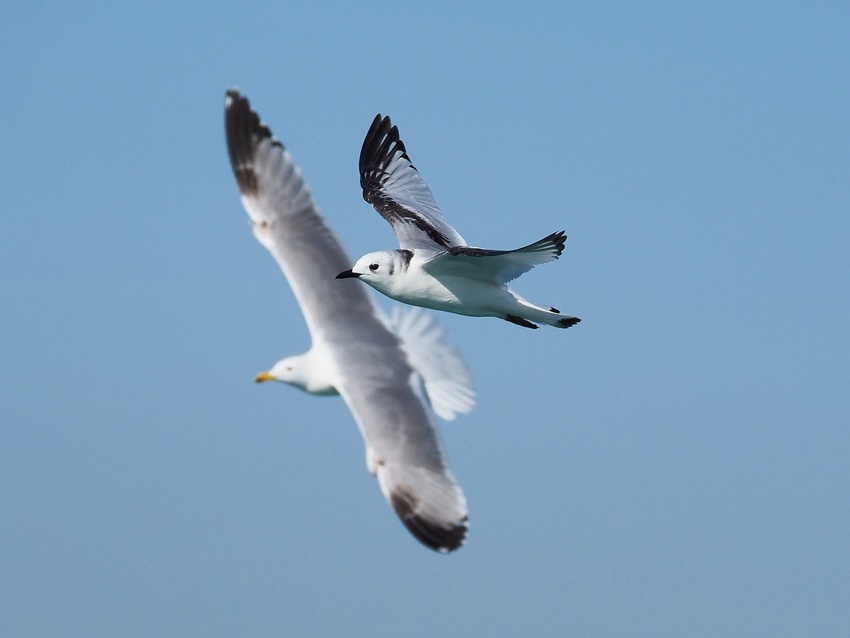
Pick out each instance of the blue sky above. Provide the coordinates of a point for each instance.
(674, 465)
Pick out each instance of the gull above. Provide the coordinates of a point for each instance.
(386, 369)
(435, 267)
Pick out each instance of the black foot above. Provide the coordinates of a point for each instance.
(521, 322)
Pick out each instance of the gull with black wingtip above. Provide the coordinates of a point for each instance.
(386, 369)
(434, 266)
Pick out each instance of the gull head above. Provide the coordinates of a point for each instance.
(298, 371)
(379, 269)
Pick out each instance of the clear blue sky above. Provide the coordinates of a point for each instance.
(675, 465)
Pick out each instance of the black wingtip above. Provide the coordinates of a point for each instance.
(244, 131)
(568, 322)
(559, 240)
(380, 145)
(433, 535)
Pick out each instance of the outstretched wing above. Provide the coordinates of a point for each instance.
(286, 220)
(445, 377)
(402, 447)
(394, 187)
(498, 265)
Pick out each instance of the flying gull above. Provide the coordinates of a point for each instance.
(385, 369)
(435, 267)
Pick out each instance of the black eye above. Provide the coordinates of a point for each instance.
(373, 267)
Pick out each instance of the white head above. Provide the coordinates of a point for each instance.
(298, 371)
(380, 269)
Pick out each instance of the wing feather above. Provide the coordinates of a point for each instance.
(286, 220)
(403, 448)
(499, 265)
(445, 376)
(395, 189)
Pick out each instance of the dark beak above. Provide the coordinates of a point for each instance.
(346, 274)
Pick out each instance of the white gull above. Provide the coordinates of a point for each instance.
(435, 267)
(384, 369)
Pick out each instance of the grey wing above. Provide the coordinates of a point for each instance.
(394, 187)
(402, 446)
(447, 381)
(373, 373)
(285, 219)
(501, 265)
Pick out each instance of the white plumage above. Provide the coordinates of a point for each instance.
(435, 267)
(384, 369)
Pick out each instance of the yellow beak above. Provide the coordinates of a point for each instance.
(263, 376)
